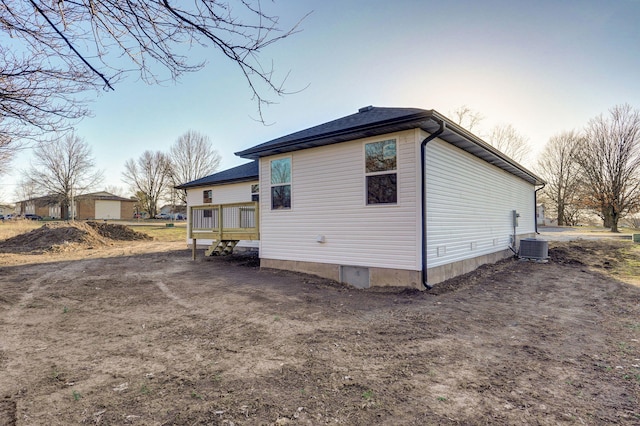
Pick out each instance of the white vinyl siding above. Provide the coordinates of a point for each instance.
(469, 205)
(222, 194)
(106, 209)
(329, 200)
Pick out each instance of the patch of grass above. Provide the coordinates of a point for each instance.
(442, 398)
(65, 310)
(196, 395)
(11, 228)
(628, 265)
(160, 232)
(76, 395)
(144, 390)
(368, 394)
(276, 318)
(634, 326)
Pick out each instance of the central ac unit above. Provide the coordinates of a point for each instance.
(530, 248)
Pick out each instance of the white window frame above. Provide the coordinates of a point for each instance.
(384, 172)
(210, 191)
(290, 183)
(257, 192)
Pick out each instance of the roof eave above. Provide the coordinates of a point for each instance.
(216, 183)
(426, 120)
(373, 129)
(481, 149)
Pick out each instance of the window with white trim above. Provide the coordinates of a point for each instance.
(255, 192)
(207, 196)
(381, 175)
(280, 184)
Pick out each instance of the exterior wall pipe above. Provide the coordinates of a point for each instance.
(423, 187)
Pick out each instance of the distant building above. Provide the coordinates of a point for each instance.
(103, 205)
(96, 205)
(6, 209)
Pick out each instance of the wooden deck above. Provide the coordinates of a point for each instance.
(225, 222)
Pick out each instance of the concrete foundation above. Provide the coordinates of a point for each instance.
(378, 277)
(386, 277)
(442, 273)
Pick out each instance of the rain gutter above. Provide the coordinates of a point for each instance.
(423, 186)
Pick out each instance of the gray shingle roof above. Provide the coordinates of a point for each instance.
(368, 121)
(373, 121)
(243, 173)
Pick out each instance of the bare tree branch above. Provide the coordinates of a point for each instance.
(466, 117)
(149, 178)
(558, 165)
(610, 161)
(56, 50)
(192, 157)
(64, 168)
(508, 140)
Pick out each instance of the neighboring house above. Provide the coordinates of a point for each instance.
(389, 197)
(97, 205)
(236, 185)
(5, 209)
(103, 205)
(540, 217)
(173, 210)
(45, 206)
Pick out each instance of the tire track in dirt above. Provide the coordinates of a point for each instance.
(28, 295)
(167, 292)
(14, 326)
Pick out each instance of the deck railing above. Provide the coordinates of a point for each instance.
(235, 221)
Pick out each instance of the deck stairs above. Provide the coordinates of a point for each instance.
(221, 248)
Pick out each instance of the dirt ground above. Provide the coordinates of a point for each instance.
(134, 332)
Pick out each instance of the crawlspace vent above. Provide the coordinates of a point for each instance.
(530, 248)
(357, 276)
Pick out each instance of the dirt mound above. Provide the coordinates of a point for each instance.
(62, 236)
(600, 254)
(118, 232)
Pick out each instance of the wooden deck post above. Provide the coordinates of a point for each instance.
(193, 249)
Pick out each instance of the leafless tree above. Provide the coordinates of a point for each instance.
(149, 177)
(466, 117)
(115, 190)
(64, 168)
(7, 149)
(192, 157)
(55, 50)
(610, 161)
(558, 166)
(504, 137)
(26, 188)
(509, 141)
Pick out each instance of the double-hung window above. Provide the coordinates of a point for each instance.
(255, 192)
(280, 184)
(381, 172)
(207, 198)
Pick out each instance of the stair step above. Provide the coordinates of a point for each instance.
(221, 248)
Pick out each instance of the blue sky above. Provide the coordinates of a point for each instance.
(543, 67)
